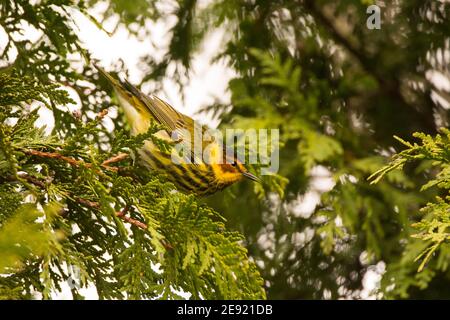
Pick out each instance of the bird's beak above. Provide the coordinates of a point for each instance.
(251, 176)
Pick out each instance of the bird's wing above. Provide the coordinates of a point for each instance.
(161, 111)
(183, 129)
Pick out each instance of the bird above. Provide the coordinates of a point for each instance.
(198, 177)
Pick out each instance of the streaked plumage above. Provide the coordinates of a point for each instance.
(199, 178)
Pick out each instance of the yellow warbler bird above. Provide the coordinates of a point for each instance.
(199, 177)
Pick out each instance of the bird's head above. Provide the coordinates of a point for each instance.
(232, 170)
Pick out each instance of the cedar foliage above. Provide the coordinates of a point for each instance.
(337, 91)
(73, 199)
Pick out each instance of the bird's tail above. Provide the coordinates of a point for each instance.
(117, 85)
(123, 88)
(130, 100)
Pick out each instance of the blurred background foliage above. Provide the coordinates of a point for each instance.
(337, 91)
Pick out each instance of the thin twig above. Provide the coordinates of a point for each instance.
(137, 223)
(132, 221)
(75, 162)
(120, 214)
(102, 114)
(78, 163)
(119, 157)
(32, 180)
(27, 178)
(95, 205)
(88, 203)
(55, 155)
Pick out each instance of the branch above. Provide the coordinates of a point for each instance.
(75, 162)
(120, 214)
(119, 157)
(27, 178)
(137, 223)
(92, 204)
(88, 203)
(130, 220)
(32, 180)
(54, 155)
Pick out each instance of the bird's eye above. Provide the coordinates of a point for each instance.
(234, 164)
